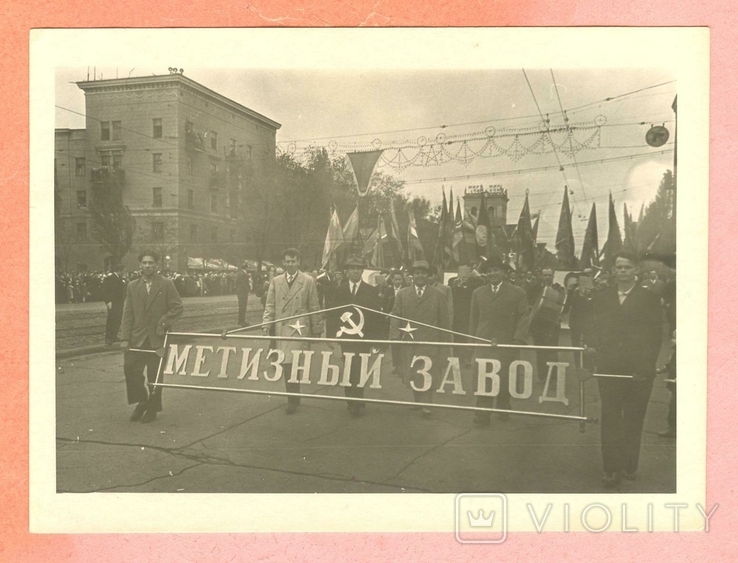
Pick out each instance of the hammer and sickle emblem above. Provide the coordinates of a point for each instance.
(347, 317)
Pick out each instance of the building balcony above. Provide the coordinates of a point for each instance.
(105, 174)
(194, 142)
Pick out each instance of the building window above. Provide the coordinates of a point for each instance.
(233, 147)
(190, 166)
(117, 161)
(214, 235)
(81, 231)
(213, 168)
(213, 203)
(193, 233)
(491, 211)
(474, 211)
(250, 151)
(157, 231)
(213, 140)
(191, 199)
(157, 197)
(104, 130)
(157, 162)
(116, 130)
(157, 128)
(79, 167)
(82, 199)
(105, 160)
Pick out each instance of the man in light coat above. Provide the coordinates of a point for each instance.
(292, 294)
(152, 305)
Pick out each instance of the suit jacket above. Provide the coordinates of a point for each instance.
(114, 288)
(627, 337)
(283, 301)
(446, 290)
(242, 283)
(431, 309)
(366, 295)
(144, 312)
(504, 317)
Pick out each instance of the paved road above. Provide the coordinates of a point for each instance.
(212, 442)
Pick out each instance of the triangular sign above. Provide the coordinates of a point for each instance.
(363, 164)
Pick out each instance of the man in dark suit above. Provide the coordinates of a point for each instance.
(500, 313)
(545, 323)
(243, 286)
(348, 325)
(151, 307)
(462, 288)
(419, 302)
(114, 295)
(626, 340)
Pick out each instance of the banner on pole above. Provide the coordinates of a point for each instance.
(436, 374)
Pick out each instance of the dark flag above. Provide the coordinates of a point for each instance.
(565, 236)
(535, 227)
(614, 242)
(525, 258)
(591, 247)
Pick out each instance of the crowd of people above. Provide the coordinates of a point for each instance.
(85, 287)
(618, 318)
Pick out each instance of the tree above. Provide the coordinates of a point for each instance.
(112, 223)
(658, 215)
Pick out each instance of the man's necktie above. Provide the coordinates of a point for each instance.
(420, 291)
(353, 289)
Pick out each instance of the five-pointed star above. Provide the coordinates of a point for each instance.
(298, 326)
(409, 330)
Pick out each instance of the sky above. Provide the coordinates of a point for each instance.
(350, 110)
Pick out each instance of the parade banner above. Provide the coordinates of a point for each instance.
(434, 374)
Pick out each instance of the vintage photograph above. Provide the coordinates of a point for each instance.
(503, 240)
(348, 283)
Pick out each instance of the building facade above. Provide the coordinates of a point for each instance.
(182, 156)
(496, 200)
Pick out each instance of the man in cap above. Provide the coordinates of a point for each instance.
(243, 286)
(354, 324)
(290, 295)
(423, 304)
(499, 313)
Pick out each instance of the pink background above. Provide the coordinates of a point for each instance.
(16, 544)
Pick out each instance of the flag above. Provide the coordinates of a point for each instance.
(351, 234)
(629, 230)
(482, 230)
(394, 236)
(590, 247)
(373, 252)
(334, 239)
(362, 164)
(442, 255)
(535, 227)
(565, 235)
(525, 251)
(414, 247)
(614, 242)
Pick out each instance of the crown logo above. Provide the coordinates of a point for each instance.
(481, 521)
